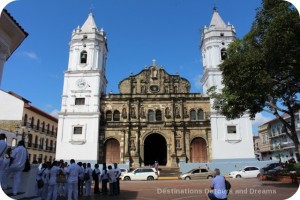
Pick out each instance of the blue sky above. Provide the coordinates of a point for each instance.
(137, 31)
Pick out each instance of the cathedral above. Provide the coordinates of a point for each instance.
(154, 117)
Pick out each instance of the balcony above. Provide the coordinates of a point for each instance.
(287, 145)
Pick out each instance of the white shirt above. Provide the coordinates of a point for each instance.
(104, 174)
(89, 171)
(73, 171)
(112, 176)
(53, 173)
(19, 155)
(3, 147)
(118, 172)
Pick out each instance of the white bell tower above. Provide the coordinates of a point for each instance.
(231, 140)
(84, 83)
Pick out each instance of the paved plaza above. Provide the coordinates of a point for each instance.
(242, 189)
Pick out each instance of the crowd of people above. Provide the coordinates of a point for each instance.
(59, 178)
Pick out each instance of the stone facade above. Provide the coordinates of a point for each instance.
(154, 108)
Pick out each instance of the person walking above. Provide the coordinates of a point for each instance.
(72, 172)
(16, 166)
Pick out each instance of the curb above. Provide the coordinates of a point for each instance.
(168, 178)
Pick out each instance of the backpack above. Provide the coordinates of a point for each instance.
(86, 176)
(95, 175)
(227, 186)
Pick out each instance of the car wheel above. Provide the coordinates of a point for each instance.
(238, 176)
(127, 178)
(209, 177)
(187, 178)
(150, 178)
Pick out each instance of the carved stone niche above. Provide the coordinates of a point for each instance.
(167, 112)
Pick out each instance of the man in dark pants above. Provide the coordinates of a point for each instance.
(104, 179)
(118, 174)
(80, 179)
(96, 173)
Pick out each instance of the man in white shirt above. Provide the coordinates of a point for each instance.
(3, 147)
(18, 159)
(118, 174)
(111, 174)
(72, 171)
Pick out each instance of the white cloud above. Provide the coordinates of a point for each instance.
(54, 113)
(30, 55)
(260, 119)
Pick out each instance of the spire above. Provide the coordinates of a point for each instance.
(89, 25)
(216, 20)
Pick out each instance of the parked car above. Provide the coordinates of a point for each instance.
(148, 174)
(269, 167)
(246, 172)
(198, 173)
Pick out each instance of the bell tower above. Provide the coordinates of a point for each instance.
(84, 83)
(231, 139)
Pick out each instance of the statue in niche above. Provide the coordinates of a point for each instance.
(124, 113)
(167, 112)
(132, 113)
(154, 73)
(185, 112)
(177, 112)
(142, 113)
(166, 89)
(143, 89)
(132, 145)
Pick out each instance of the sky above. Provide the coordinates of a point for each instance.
(137, 31)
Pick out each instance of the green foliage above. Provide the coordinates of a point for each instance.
(294, 167)
(262, 70)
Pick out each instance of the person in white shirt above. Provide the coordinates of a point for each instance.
(5, 165)
(72, 172)
(3, 147)
(17, 164)
(80, 179)
(118, 174)
(104, 179)
(111, 174)
(52, 188)
(45, 177)
(88, 182)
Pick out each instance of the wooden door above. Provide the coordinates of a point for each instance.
(112, 151)
(198, 150)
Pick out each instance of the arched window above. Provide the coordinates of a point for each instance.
(25, 120)
(42, 143)
(32, 122)
(51, 145)
(29, 140)
(46, 144)
(108, 115)
(48, 128)
(200, 114)
(43, 126)
(193, 115)
(83, 57)
(38, 125)
(116, 115)
(52, 130)
(150, 115)
(223, 54)
(36, 141)
(158, 115)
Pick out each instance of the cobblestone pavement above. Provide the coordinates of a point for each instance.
(242, 189)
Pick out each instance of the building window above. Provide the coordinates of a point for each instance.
(231, 129)
(150, 115)
(158, 115)
(83, 57)
(193, 115)
(38, 125)
(79, 101)
(25, 120)
(77, 130)
(48, 128)
(200, 114)
(32, 122)
(34, 157)
(52, 130)
(108, 115)
(29, 140)
(43, 127)
(36, 141)
(116, 115)
(14, 142)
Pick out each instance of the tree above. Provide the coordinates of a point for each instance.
(262, 70)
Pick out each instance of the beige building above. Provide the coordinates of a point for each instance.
(154, 118)
(19, 120)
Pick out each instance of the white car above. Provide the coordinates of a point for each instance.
(246, 172)
(123, 171)
(148, 174)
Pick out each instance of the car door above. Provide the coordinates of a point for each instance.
(246, 173)
(203, 173)
(137, 174)
(195, 174)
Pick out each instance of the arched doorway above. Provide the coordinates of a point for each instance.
(112, 151)
(198, 150)
(155, 149)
